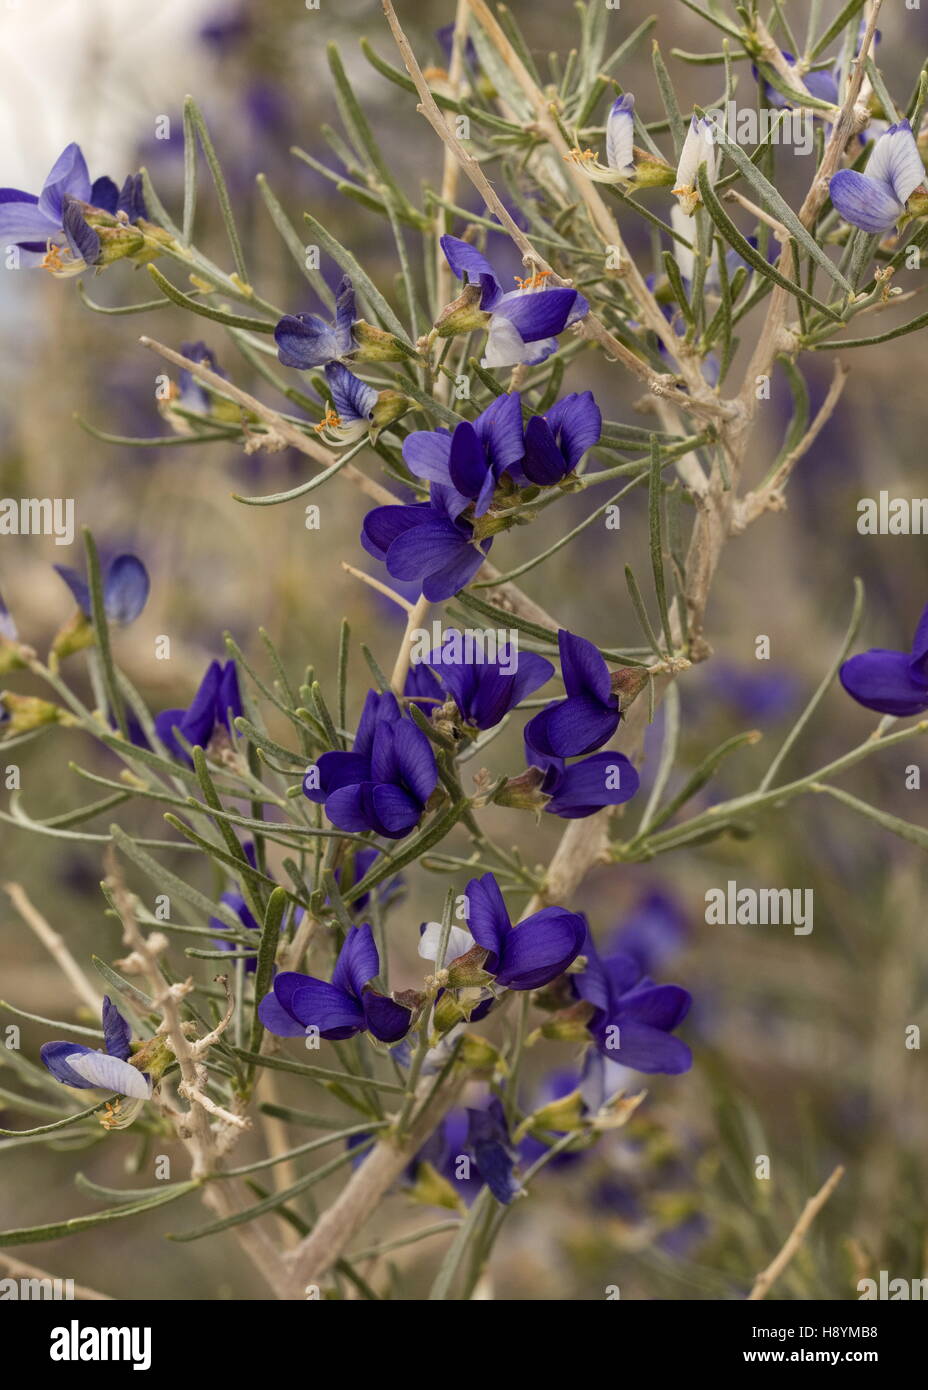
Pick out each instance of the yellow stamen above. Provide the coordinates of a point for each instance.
(533, 282)
(578, 156)
(330, 421)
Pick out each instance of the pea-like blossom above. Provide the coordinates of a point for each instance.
(589, 716)
(216, 704)
(383, 784)
(529, 954)
(580, 789)
(484, 691)
(489, 1144)
(89, 1069)
(699, 147)
(633, 1018)
(556, 441)
(876, 199)
(470, 462)
(524, 323)
(891, 682)
(620, 136)
(51, 229)
(305, 341)
(342, 1007)
(125, 589)
(430, 543)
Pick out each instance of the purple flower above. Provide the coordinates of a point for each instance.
(491, 1148)
(620, 136)
(37, 223)
(584, 787)
(529, 954)
(484, 691)
(876, 199)
(556, 442)
(305, 340)
(89, 1069)
(633, 1018)
(429, 542)
(524, 323)
(822, 84)
(125, 589)
(656, 930)
(589, 715)
(339, 1009)
(891, 682)
(216, 704)
(193, 394)
(383, 784)
(469, 463)
(353, 402)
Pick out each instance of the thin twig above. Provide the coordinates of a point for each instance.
(767, 1277)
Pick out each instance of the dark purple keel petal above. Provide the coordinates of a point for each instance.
(604, 779)
(579, 725)
(386, 1019)
(884, 681)
(647, 1049)
(125, 590)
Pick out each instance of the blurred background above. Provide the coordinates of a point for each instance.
(799, 1040)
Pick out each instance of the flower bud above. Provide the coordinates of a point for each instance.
(391, 405)
(432, 1190)
(462, 315)
(75, 636)
(27, 712)
(375, 345)
(564, 1115)
(523, 792)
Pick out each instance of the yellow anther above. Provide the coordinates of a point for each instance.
(330, 421)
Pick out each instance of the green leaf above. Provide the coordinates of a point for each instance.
(169, 883)
(30, 1235)
(780, 209)
(267, 953)
(196, 306)
(655, 496)
(362, 282)
(914, 834)
(222, 192)
(102, 632)
(322, 1074)
(60, 1124)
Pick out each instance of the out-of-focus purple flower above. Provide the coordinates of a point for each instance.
(469, 463)
(383, 784)
(306, 340)
(193, 395)
(529, 954)
(484, 691)
(125, 589)
(341, 1008)
(656, 929)
(590, 713)
(445, 36)
(214, 707)
(524, 323)
(891, 682)
(633, 1018)
(429, 542)
(8, 629)
(89, 1069)
(556, 442)
(489, 1144)
(226, 28)
(876, 199)
(821, 83)
(754, 694)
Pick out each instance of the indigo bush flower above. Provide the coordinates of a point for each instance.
(74, 223)
(306, 340)
(469, 463)
(490, 1145)
(192, 394)
(484, 691)
(620, 136)
(699, 147)
(529, 954)
(656, 929)
(383, 784)
(125, 589)
(524, 323)
(341, 1008)
(633, 1019)
(876, 200)
(429, 542)
(891, 682)
(88, 1068)
(580, 789)
(590, 713)
(556, 441)
(216, 704)
(821, 83)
